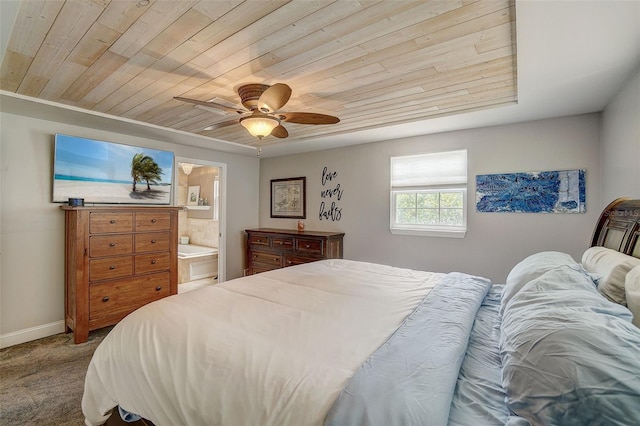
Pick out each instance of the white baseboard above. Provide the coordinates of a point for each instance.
(29, 334)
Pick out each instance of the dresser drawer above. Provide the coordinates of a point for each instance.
(258, 240)
(145, 263)
(110, 245)
(292, 260)
(257, 268)
(152, 221)
(117, 298)
(309, 246)
(266, 257)
(112, 267)
(152, 241)
(282, 243)
(103, 223)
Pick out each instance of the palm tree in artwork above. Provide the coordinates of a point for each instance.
(144, 168)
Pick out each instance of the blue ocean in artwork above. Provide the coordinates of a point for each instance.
(535, 192)
(90, 160)
(89, 179)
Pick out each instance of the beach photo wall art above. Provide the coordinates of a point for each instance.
(104, 172)
(560, 191)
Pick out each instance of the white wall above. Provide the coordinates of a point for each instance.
(621, 143)
(494, 241)
(32, 228)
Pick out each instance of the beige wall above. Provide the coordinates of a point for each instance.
(494, 241)
(32, 227)
(621, 143)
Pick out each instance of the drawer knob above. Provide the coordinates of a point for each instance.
(153, 262)
(158, 288)
(307, 246)
(113, 222)
(275, 258)
(153, 221)
(112, 267)
(153, 241)
(112, 245)
(105, 299)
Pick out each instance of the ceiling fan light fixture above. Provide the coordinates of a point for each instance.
(260, 125)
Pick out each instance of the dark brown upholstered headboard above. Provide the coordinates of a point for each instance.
(619, 227)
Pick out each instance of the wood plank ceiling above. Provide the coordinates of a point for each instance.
(370, 63)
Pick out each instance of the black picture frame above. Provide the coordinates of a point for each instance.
(289, 198)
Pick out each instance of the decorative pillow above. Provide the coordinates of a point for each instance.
(632, 292)
(531, 268)
(569, 355)
(612, 267)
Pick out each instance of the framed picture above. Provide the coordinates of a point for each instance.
(193, 195)
(110, 173)
(288, 198)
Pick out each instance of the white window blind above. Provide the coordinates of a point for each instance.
(440, 168)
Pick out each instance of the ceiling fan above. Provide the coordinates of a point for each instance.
(262, 116)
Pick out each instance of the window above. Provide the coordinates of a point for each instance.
(428, 194)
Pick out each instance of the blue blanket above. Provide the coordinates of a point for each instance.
(411, 378)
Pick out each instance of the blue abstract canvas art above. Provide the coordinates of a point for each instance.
(532, 192)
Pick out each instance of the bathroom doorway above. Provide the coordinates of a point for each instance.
(200, 190)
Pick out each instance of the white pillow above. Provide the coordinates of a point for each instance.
(612, 267)
(531, 268)
(632, 291)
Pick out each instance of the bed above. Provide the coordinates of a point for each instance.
(341, 342)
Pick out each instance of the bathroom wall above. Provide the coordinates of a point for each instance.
(198, 225)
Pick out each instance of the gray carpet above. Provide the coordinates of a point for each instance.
(41, 382)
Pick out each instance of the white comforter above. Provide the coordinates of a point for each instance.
(270, 349)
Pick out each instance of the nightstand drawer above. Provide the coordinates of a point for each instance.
(146, 263)
(266, 257)
(103, 223)
(112, 267)
(309, 246)
(152, 241)
(110, 245)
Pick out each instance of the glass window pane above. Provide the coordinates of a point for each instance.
(405, 216)
(427, 200)
(406, 200)
(451, 217)
(451, 200)
(428, 216)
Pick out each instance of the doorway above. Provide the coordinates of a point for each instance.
(200, 190)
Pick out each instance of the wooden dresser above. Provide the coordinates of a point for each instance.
(116, 260)
(269, 248)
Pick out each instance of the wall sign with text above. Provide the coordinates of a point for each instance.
(330, 195)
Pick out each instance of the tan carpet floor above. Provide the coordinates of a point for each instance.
(41, 382)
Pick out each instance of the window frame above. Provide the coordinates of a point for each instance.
(450, 231)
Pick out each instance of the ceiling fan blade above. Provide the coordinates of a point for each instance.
(274, 97)
(280, 132)
(308, 118)
(216, 126)
(210, 104)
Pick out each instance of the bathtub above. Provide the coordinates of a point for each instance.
(196, 262)
(189, 251)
